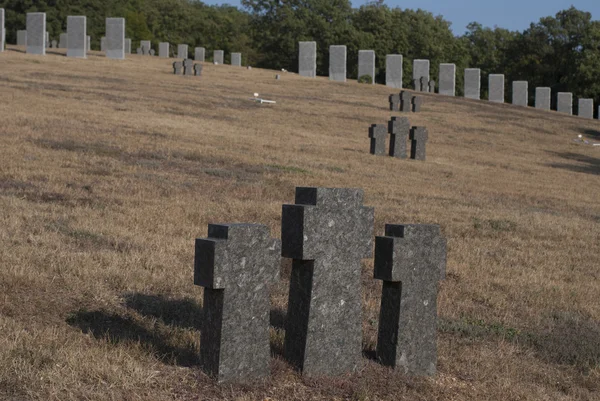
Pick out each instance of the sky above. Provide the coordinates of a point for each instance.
(509, 14)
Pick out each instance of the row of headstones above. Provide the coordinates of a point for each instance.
(400, 131)
(182, 53)
(326, 234)
(405, 102)
(187, 67)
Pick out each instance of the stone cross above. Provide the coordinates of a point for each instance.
(152, 52)
(138, 50)
(326, 233)
(188, 67)
(54, 44)
(378, 134)
(197, 70)
(418, 137)
(399, 129)
(417, 84)
(424, 84)
(410, 259)
(417, 103)
(236, 264)
(406, 102)
(432, 86)
(394, 102)
(177, 67)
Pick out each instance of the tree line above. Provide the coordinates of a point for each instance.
(561, 51)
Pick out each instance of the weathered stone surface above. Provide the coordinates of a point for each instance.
(418, 137)
(188, 67)
(236, 59)
(178, 68)
(115, 38)
(586, 108)
(236, 265)
(447, 80)
(2, 30)
(366, 64)
(542, 98)
(199, 54)
(22, 38)
(431, 86)
(520, 93)
(36, 33)
(127, 46)
(564, 103)
(410, 259)
(417, 103)
(307, 59)
(152, 52)
(163, 50)
(472, 83)
(326, 233)
(76, 36)
(424, 85)
(406, 102)
(393, 70)
(138, 50)
(103, 44)
(417, 84)
(145, 45)
(399, 129)
(197, 70)
(88, 41)
(378, 134)
(337, 63)
(394, 102)
(218, 56)
(63, 40)
(54, 44)
(420, 70)
(496, 88)
(182, 51)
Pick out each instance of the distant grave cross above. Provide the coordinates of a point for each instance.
(188, 67)
(399, 129)
(394, 102)
(405, 102)
(418, 137)
(197, 70)
(177, 67)
(378, 134)
(417, 102)
(424, 84)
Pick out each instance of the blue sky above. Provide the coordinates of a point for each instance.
(510, 14)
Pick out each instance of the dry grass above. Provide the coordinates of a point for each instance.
(109, 170)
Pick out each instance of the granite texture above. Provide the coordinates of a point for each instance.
(36, 33)
(496, 88)
(236, 265)
(399, 129)
(420, 70)
(163, 49)
(417, 104)
(366, 64)
(417, 84)
(326, 233)
(127, 46)
(76, 36)
(115, 38)
(22, 38)
(409, 259)
(543, 98)
(394, 101)
(145, 45)
(431, 86)
(418, 138)
(586, 108)
(337, 63)
(182, 51)
(236, 59)
(307, 59)
(378, 134)
(103, 44)
(393, 70)
(406, 100)
(472, 83)
(188, 67)
(564, 103)
(218, 56)
(197, 70)
(2, 30)
(199, 54)
(447, 80)
(63, 39)
(520, 93)
(178, 68)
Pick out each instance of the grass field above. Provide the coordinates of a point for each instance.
(110, 169)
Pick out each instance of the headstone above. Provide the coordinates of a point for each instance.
(182, 51)
(77, 38)
(399, 129)
(542, 98)
(473, 83)
(431, 86)
(2, 30)
(326, 233)
(197, 70)
(447, 80)
(393, 70)
(218, 56)
(520, 93)
(199, 54)
(417, 103)
(146, 45)
(103, 44)
(337, 63)
(62, 41)
(418, 137)
(420, 70)
(46, 39)
(163, 50)
(410, 259)
(88, 40)
(178, 68)
(277, 77)
(127, 46)
(378, 134)
(36, 33)
(496, 88)
(138, 50)
(406, 100)
(417, 85)
(307, 59)
(21, 38)
(152, 52)
(564, 103)
(236, 265)
(394, 102)
(366, 64)
(586, 108)
(115, 38)
(236, 59)
(54, 44)
(188, 66)
(424, 85)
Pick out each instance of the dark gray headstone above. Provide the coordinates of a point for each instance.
(410, 259)
(394, 102)
(418, 138)
(431, 86)
(277, 77)
(472, 83)
(417, 103)
(366, 64)
(199, 54)
(586, 108)
(307, 59)
(378, 134)
(2, 30)
(188, 67)
(421, 70)
(393, 70)
(564, 103)
(496, 88)
(115, 38)
(197, 70)
(22, 38)
(152, 52)
(138, 50)
(520, 93)
(406, 99)
(36, 33)
(447, 79)
(337, 63)
(326, 233)
(417, 84)
(177, 68)
(542, 98)
(236, 265)
(76, 36)
(399, 129)
(88, 41)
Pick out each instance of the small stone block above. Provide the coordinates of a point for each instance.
(188, 67)
(406, 102)
(394, 102)
(378, 134)
(399, 129)
(418, 137)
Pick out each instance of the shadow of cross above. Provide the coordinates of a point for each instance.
(236, 264)
(326, 233)
(411, 260)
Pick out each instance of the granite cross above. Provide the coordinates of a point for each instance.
(399, 129)
(378, 134)
(418, 137)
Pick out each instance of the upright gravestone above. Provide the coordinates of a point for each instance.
(424, 82)
(103, 44)
(394, 102)
(399, 129)
(199, 54)
(366, 64)
(152, 52)
(46, 39)
(447, 79)
(197, 70)
(236, 59)
(21, 38)
(337, 63)
(54, 44)
(417, 103)
(432, 86)
(410, 259)
(163, 50)
(418, 137)
(496, 88)
(36, 33)
(218, 56)
(564, 103)
(188, 67)
(520, 93)
(420, 70)
(472, 83)
(115, 38)
(77, 38)
(326, 233)
(307, 59)
(63, 40)
(146, 45)
(127, 46)
(542, 98)
(2, 36)
(586, 108)
(378, 134)
(406, 100)
(393, 70)
(182, 51)
(236, 265)
(177, 67)
(88, 41)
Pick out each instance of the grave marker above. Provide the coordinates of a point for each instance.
(586, 108)
(115, 38)
(2, 30)
(399, 129)
(22, 38)
(378, 134)
(307, 59)
(394, 102)
(199, 54)
(542, 98)
(520, 93)
(36, 33)
(473, 83)
(54, 44)
(152, 52)
(146, 45)
(432, 86)
(496, 88)
(424, 84)
(76, 36)
(197, 70)
(188, 67)
(236, 59)
(182, 51)
(366, 64)
(63, 39)
(447, 79)
(337, 63)
(420, 70)
(418, 137)
(177, 68)
(88, 41)
(406, 100)
(393, 70)
(163, 50)
(218, 56)
(417, 103)
(564, 103)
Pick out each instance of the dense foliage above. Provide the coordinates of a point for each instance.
(562, 52)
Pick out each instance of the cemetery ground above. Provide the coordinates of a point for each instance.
(110, 169)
